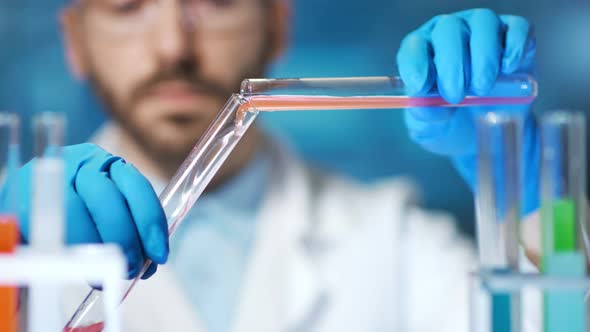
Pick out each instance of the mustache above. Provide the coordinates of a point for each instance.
(198, 83)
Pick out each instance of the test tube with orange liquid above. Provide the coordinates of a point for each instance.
(9, 239)
(9, 230)
(380, 92)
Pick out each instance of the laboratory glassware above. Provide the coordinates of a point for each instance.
(9, 161)
(371, 93)
(47, 201)
(498, 207)
(9, 229)
(563, 214)
(47, 221)
(283, 94)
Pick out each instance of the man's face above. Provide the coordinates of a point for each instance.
(164, 68)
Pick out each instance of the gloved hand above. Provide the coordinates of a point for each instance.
(107, 200)
(464, 53)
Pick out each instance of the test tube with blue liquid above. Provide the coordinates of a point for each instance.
(498, 210)
(564, 218)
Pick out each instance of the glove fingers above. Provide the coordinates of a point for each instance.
(450, 38)
(80, 227)
(415, 64)
(486, 50)
(520, 45)
(109, 210)
(145, 208)
(73, 155)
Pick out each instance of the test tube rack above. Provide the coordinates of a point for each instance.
(485, 283)
(102, 265)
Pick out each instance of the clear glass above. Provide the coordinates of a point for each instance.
(48, 130)
(9, 228)
(563, 214)
(47, 221)
(498, 189)
(9, 162)
(47, 224)
(184, 189)
(371, 93)
(498, 208)
(563, 181)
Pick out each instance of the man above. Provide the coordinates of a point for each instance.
(273, 245)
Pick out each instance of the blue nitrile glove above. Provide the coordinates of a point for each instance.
(464, 53)
(107, 200)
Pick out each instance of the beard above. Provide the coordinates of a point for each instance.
(169, 140)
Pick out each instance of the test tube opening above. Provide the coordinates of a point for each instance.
(48, 130)
(11, 122)
(9, 163)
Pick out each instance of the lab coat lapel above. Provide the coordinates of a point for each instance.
(281, 288)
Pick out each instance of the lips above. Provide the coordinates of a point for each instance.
(175, 90)
(177, 102)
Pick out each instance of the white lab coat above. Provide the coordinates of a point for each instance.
(331, 255)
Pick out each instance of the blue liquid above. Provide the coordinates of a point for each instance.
(565, 311)
(501, 320)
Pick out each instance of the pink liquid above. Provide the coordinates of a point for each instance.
(303, 103)
(89, 328)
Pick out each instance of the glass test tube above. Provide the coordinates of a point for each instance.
(498, 208)
(47, 221)
(182, 192)
(9, 230)
(371, 93)
(563, 214)
(47, 207)
(9, 162)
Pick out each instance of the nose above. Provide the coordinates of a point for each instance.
(173, 39)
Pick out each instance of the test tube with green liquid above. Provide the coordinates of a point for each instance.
(563, 214)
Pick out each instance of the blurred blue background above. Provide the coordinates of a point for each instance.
(328, 38)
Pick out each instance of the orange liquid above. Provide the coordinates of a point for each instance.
(98, 327)
(8, 295)
(9, 236)
(303, 103)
